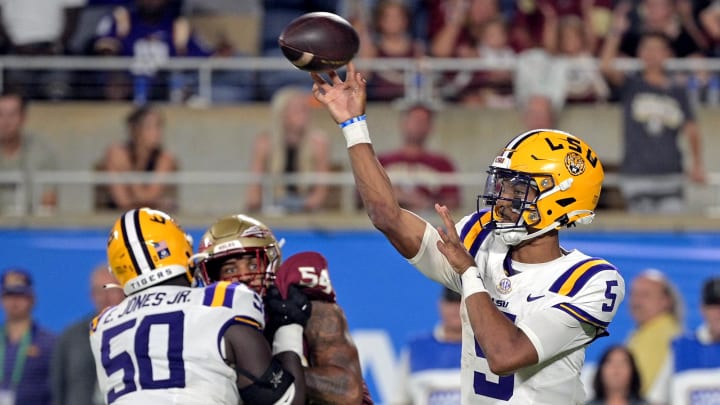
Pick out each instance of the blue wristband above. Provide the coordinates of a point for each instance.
(353, 120)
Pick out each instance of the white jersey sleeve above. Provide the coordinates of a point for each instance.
(245, 304)
(434, 264)
(592, 291)
(552, 333)
(589, 294)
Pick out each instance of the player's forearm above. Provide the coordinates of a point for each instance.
(291, 362)
(374, 186)
(333, 385)
(505, 346)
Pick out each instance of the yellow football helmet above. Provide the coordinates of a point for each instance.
(548, 178)
(233, 236)
(147, 247)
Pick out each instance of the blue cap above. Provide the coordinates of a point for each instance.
(16, 281)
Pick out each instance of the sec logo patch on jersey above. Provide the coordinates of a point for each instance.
(504, 286)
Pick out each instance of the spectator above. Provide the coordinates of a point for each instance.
(23, 153)
(540, 74)
(430, 366)
(692, 374)
(72, 369)
(89, 17)
(25, 346)
(656, 307)
(709, 17)
(232, 29)
(530, 17)
(277, 14)
(290, 146)
(573, 39)
(491, 88)
(476, 29)
(39, 28)
(151, 32)
(453, 22)
(661, 16)
(388, 35)
(655, 113)
(414, 162)
(538, 113)
(142, 152)
(617, 380)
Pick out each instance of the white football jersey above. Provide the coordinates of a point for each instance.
(561, 306)
(165, 344)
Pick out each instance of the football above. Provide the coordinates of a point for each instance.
(319, 41)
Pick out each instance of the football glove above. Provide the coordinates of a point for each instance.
(296, 308)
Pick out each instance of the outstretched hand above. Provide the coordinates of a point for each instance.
(343, 99)
(450, 244)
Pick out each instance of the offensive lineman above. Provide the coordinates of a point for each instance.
(169, 343)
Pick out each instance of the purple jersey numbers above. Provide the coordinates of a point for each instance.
(174, 321)
(503, 388)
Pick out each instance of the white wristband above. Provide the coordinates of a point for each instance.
(288, 338)
(356, 133)
(472, 283)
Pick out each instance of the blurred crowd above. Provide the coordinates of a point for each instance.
(524, 46)
(537, 56)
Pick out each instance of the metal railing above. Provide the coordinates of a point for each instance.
(420, 74)
(27, 185)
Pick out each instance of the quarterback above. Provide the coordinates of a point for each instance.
(529, 307)
(170, 343)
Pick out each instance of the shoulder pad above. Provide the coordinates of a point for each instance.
(471, 230)
(594, 289)
(246, 305)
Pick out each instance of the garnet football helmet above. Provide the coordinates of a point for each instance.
(543, 180)
(147, 247)
(309, 271)
(238, 236)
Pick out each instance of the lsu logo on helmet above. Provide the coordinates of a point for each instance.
(575, 163)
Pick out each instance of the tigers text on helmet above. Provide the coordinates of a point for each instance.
(147, 247)
(238, 237)
(543, 179)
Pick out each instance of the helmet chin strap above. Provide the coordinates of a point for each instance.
(514, 236)
(511, 236)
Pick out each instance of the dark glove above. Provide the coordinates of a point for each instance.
(295, 309)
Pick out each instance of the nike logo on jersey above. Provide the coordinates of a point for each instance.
(530, 298)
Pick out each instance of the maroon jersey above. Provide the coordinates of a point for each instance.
(309, 270)
(420, 165)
